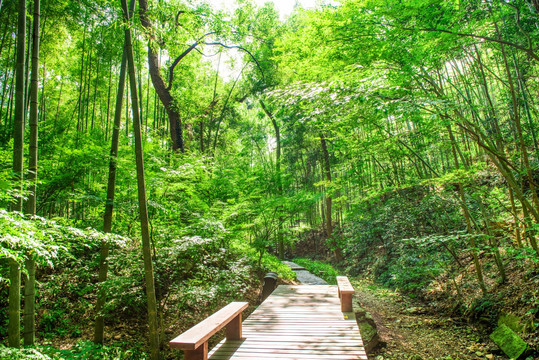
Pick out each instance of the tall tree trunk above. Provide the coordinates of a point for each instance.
(14, 327)
(467, 218)
(108, 102)
(109, 205)
(6, 77)
(34, 105)
(280, 237)
(43, 103)
(9, 113)
(95, 94)
(146, 246)
(29, 288)
(327, 172)
(27, 73)
(492, 241)
(163, 92)
(81, 82)
(88, 84)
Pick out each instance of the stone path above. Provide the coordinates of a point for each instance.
(304, 276)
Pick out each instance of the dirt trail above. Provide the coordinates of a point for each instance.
(411, 333)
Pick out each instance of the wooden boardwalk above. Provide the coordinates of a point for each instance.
(297, 322)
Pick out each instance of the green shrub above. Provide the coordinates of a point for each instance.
(268, 262)
(320, 269)
(84, 350)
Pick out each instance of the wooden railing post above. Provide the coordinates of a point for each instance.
(346, 291)
(200, 353)
(346, 303)
(233, 329)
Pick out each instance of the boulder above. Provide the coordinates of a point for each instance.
(508, 341)
(367, 328)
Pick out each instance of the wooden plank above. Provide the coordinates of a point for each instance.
(302, 322)
(344, 285)
(200, 333)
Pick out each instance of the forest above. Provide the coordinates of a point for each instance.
(158, 157)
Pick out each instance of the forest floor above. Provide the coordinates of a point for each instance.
(410, 331)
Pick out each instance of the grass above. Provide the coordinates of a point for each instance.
(320, 269)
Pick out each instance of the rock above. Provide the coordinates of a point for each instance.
(369, 334)
(358, 309)
(370, 319)
(368, 331)
(507, 340)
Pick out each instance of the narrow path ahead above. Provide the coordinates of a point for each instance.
(304, 276)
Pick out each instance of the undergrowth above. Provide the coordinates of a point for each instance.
(320, 269)
(83, 350)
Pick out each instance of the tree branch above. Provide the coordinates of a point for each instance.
(177, 19)
(242, 49)
(529, 50)
(182, 55)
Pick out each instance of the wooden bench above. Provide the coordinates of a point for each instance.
(195, 340)
(345, 293)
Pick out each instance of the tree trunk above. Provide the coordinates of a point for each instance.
(29, 288)
(280, 237)
(146, 246)
(163, 92)
(14, 327)
(34, 85)
(327, 172)
(5, 80)
(492, 242)
(109, 205)
(81, 82)
(108, 101)
(467, 218)
(95, 94)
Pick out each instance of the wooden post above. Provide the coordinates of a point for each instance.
(346, 303)
(233, 329)
(346, 291)
(200, 353)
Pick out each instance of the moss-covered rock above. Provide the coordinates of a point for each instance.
(507, 340)
(367, 327)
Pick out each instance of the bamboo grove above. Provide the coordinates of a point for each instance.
(397, 133)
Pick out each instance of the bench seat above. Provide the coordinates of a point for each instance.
(195, 340)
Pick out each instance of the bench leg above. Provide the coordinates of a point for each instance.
(200, 353)
(346, 303)
(233, 329)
